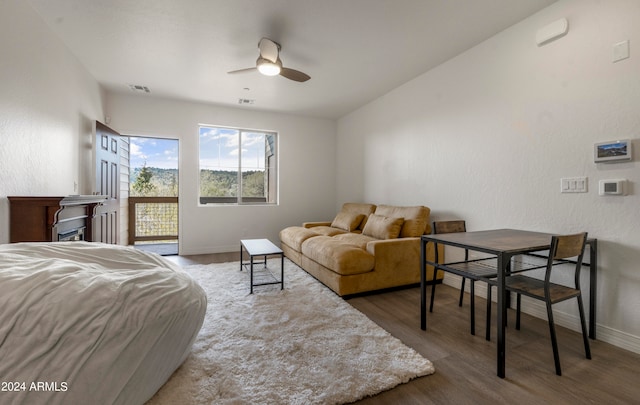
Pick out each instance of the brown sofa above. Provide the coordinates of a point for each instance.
(365, 248)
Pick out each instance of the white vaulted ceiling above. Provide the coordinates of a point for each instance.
(354, 50)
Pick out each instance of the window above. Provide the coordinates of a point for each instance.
(237, 166)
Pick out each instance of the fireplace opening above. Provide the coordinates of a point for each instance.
(71, 235)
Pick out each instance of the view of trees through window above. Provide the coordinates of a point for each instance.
(153, 189)
(153, 167)
(237, 166)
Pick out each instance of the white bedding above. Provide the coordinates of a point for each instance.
(87, 323)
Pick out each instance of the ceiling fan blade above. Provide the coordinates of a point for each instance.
(251, 69)
(294, 75)
(269, 49)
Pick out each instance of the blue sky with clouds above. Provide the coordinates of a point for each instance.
(220, 147)
(219, 150)
(161, 153)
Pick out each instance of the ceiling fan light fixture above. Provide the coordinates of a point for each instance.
(269, 63)
(268, 68)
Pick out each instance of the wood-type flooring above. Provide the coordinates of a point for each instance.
(466, 364)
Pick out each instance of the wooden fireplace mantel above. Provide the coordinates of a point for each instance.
(34, 219)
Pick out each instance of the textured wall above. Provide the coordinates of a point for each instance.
(306, 168)
(488, 135)
(48, 103)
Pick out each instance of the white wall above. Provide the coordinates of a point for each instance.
(487, 136)
(306, 168)
(48, 106)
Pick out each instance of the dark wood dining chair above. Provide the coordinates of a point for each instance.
(562, 248)
(482, 269)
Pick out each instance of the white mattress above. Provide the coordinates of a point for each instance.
(88, 323)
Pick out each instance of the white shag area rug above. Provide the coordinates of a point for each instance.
(300, 345)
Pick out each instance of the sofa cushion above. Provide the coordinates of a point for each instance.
(382, 227)
(416, 219)
(348, 221)
(326, 230)
(356, 239)
(337, 256)
(359, 208)
(293, 236)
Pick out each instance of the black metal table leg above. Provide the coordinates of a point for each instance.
(251, 267)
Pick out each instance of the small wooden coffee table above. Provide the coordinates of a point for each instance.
(261, 247)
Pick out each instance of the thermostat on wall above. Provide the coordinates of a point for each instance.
(612, 187)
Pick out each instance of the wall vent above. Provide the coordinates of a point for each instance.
(139, 89)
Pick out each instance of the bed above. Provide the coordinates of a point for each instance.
(92, 323)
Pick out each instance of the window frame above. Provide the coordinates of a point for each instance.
(271, 164)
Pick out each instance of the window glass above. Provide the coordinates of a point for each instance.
(237, 166)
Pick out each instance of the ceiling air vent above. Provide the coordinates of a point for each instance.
(246, 101)
(139, 89)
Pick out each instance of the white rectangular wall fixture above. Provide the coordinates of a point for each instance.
(612, 187)
(620, 51)
(573, 185)
(552, 31)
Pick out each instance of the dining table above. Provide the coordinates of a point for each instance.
(505, 245)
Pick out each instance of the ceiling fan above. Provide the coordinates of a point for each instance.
(269, 63)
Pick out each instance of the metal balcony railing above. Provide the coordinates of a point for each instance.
(153, 219)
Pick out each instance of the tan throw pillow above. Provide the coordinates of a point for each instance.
(349, 221)
(416, 219)
(381, 227)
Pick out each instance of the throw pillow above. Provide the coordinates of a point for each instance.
(349, 221)
(416, 219)
(381, 227)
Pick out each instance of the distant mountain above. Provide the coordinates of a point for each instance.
(212, 182)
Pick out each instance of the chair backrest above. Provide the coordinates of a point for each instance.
(565, 247)
(449, 226)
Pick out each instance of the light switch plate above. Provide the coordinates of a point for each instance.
(574, 185)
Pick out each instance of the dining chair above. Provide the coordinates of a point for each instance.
(562, 248)
(482, 269)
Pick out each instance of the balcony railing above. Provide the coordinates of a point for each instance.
(231, 200)
(153, 219)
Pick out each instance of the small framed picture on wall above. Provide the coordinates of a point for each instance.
(612, 151)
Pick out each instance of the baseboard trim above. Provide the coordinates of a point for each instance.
(535, 308)
(205, 250)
